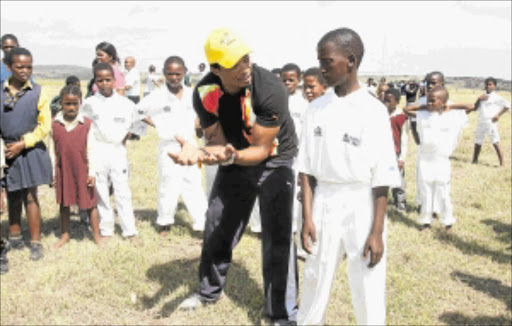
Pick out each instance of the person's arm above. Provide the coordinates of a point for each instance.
(374, 246)
(197, 127)
(29, 139)
(461, 106)
(308, 232)
(91, 159)
(497, 116)
(410, 110)
(404, 141)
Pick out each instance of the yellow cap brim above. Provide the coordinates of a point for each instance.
(231, 59)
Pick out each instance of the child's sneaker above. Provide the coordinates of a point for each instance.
(36, 250)
(16, 241)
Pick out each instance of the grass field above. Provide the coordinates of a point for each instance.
(433, 277)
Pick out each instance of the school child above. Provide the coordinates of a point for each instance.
(297, 104)
(8, 42)
(314, 84)
(112, 117)
(25, 121)
(400, 131)
(491, 107)
(74, 162)
(439, 126)
(351, 160)
(55, 102)
(107, 53)
(169, 109)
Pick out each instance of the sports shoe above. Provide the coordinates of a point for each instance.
(400, 207)
(284, 322)
(16, 241)
(195, 301)
(36, 250)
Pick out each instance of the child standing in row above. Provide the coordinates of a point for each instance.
(169, 109)
(74, 162)
(490, 108)
(314, 85)
(112, 118)
(400, 130)
(25, 120)
(439, 126)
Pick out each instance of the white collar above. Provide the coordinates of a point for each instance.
(60, 118)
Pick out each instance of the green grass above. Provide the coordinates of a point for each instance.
(463, 277)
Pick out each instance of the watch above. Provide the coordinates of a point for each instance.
(230, 160)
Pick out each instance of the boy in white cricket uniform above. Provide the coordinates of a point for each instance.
(113, 116)
(170, 110)
(439, 127)
(352, 161)
(490, 107)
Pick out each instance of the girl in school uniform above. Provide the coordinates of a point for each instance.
(25, 120)
(74, 162)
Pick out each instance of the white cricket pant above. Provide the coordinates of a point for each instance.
(343, 217)
(489, 128)
(435, 190)
(176, 180)
(113, 163)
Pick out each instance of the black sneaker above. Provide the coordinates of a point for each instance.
(16, 242)
(4, 262)
(36, 250)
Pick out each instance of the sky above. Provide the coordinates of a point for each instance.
(459, 38)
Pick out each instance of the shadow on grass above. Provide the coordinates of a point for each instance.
(184, 272)
(397, 216)
(455, 318)
(502, 230)
(490, 286)
(472, 247)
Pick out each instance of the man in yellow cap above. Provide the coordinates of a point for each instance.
(243, 110)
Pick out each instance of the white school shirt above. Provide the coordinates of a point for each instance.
(348, 140)
(112, 117)
(489, 108)
(132, 78)
(439, 132)
(170, 115)
(297, 106)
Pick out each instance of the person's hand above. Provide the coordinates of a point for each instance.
(224, 154)
(189, 154)
(483, 97)
(374, 247)
(91, 182)
(54, 183)
(308, 236)
(495, 118)
(14, 149)
(400, 165)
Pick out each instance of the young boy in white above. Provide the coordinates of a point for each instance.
(490, 107)
(439, 127)
(352, 161)
(170, 111)
(112, 116)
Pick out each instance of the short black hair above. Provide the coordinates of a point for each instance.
(109, 49)
(174, 59)
(152, 68)
(72, 80)
(435, 73)
(316, 72)
(347, 40)
(291, 67)
(9, 57)
(10, 37)
(492, 80)
(103, 66)
(71, 89)
(393, 91)
(443, 91)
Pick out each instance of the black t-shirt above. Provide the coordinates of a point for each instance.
(410, 92)
(270, 108)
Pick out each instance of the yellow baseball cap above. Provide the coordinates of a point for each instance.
(225, 47)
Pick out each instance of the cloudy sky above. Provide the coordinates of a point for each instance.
(460, 38)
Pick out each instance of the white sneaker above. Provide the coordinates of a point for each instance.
(192, 302)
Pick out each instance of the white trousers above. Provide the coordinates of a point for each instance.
(176, 180)
(343, 217)
(435, 190)
(489, 128)
(113, 163)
